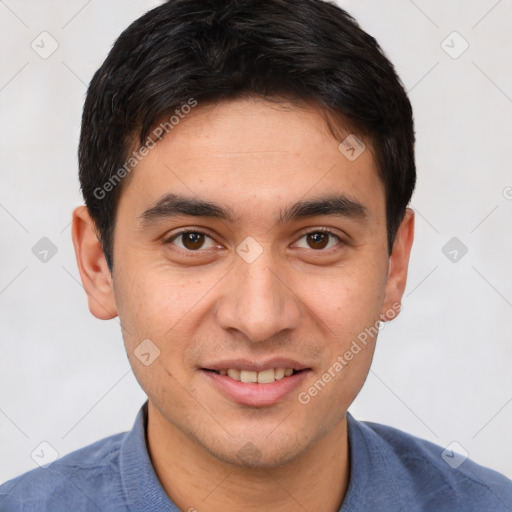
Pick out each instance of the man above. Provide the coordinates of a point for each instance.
(246, 168)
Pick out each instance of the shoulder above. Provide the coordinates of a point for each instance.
(437, 477)
(75, 481)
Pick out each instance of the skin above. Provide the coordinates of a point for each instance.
(295, 300)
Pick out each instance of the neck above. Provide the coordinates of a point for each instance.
(196, 480)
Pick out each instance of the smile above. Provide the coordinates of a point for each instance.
(262, 377)
(256, 385)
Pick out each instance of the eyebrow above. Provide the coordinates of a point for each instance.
(174, 205)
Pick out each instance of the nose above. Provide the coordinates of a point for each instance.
(258, 302)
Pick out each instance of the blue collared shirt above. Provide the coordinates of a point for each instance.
(390, 471)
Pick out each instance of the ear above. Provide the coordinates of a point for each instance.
(92, 266)
(398, 266)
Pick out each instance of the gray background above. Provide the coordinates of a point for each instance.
(441, 370)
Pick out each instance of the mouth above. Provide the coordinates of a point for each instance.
(256, 384)
(267, 376)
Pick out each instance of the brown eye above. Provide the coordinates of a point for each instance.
(191, 240)
(319, 240)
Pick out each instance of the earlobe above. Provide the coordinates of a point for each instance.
(398, 267)
(92, 265)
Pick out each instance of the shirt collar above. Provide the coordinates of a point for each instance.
(373, 478)
(140, 482)
(377, 480)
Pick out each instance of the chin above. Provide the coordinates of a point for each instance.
(260, 454)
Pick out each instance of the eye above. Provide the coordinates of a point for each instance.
(190, 240)
(320, 239)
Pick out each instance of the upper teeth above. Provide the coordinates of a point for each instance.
(263, 377)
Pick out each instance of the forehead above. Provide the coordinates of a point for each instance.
(249, 153)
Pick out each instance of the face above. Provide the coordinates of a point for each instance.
(269, 257)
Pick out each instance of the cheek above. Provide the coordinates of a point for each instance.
(166, 310)
(348, 301)
(158, 303)
(155, 307)
(338, 383)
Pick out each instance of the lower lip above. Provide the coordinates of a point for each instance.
(254, 394)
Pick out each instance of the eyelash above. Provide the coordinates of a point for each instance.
(174, 236)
